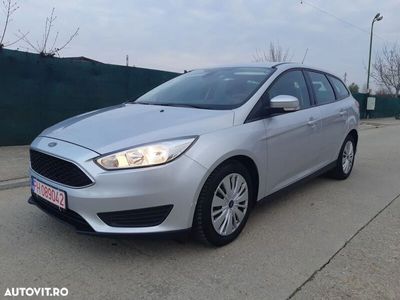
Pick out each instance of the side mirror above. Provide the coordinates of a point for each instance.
(285, 102)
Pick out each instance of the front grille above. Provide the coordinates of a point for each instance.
(65, 215)
(58, 170)
(144, 217)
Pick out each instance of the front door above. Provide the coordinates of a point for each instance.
(292, 138)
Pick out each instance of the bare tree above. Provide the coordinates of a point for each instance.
(9, 8)
(382, 91)
(386, 69)
(275, 53)
(47, 46)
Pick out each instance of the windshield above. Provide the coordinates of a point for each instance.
(220, 88)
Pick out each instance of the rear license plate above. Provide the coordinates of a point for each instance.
(53, 195)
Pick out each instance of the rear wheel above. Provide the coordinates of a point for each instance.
(224, 203)
(345, 161)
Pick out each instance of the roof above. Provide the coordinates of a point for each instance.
(278, 65)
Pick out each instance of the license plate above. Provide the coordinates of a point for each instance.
(54, 196)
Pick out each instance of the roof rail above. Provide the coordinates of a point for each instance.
(282, 63)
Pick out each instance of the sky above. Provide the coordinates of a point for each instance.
(179, 35)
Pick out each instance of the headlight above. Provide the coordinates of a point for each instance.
(146, 155)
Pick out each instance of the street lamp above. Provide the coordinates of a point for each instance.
(378, 17)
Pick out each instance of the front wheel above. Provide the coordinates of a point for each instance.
(224, 204)
(345, 161)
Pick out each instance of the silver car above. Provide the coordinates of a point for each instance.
(197, 152)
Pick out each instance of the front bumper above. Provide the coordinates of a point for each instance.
(82, 227)
(174, 184)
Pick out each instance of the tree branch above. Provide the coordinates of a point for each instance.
(56, 50)
(386, 68)
(9, 8)
(43, 47)
(275, 53)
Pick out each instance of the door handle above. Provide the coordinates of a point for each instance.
(342, 112)
(311, 122)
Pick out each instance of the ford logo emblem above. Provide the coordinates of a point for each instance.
(52, 144)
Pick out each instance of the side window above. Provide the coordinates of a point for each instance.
(291, 83)
(340, 89)
(322, 88)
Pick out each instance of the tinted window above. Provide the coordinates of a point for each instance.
(291, 83)
(339, 87)
(322, 88)
(218, 88)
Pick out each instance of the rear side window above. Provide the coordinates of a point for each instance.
(322, 88)
(340, 89)
(291, 83)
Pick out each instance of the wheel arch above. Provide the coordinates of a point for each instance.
(251, 167)
(246, 160)
(353, 133)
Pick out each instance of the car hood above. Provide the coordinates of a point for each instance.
(128, 125)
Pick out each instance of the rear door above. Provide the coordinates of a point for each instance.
(333, 114)
(293, 137)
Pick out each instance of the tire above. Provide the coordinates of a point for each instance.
(230, 209)
(347, 153)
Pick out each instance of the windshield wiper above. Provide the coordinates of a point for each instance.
(180, 105)
(134, 102)
(168, 104)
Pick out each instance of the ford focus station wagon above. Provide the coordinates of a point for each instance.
(197, 152)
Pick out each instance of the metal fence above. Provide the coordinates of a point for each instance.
(385, 106)
(36, 92)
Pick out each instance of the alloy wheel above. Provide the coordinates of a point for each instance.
(348, 157)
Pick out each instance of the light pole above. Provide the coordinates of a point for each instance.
(378, 17)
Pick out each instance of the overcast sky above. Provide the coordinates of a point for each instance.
(177, 34)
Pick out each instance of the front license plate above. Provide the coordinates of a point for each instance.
(54, 196)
